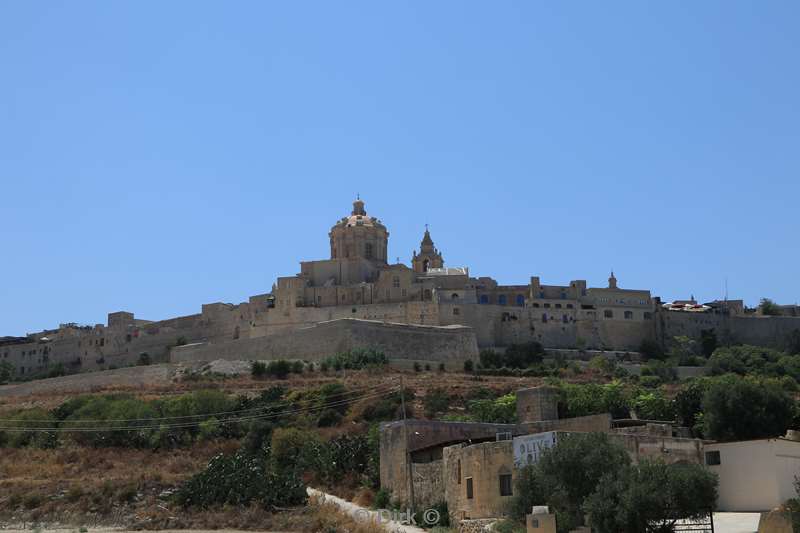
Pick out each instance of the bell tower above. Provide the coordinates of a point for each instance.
(428, 256)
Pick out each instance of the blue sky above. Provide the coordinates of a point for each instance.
(155, 156)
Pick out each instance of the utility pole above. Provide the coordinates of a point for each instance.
(410, 470)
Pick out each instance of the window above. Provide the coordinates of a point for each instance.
(558, 306)
(648, 315)
(628, 315)
(505, 485)
(469, 488)
(520, 300)
(427, 294)
(536, 305)
(456, 311)
(713, 458)
(569, 306)
(547, 306)
(502, 299)
(396, 281)
(458, 468)
(454, 296)
(565, 319)
(484, 299)
(608, 313)
(544, 317)
(368, 250)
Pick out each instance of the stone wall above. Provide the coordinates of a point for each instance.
(428, 485)
(397, 341)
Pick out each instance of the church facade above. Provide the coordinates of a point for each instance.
(437, 304)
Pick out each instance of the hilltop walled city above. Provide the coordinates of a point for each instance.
(470, 461)
(356, 298)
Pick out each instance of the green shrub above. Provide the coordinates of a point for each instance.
(436, 401)
(388, 407)
(329, 418)
(357, 359)
(469, 366)
(258, 369)
(297, 367)
(382, 499)
(6, 372)
(417, 367)
(502, 410)
(594, 398)
(144, 359)
(34, 420)
(651, 349)
(258, 437)
(241, 479)
(664, 371)
(278, 369)
(132, 417)
(653, 405)
(57, 371)
(650, 382)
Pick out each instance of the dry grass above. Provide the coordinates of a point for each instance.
(87, 485)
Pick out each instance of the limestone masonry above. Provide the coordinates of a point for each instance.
(426, 311)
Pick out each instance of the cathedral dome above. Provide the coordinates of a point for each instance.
(359, 217)
(359, 236)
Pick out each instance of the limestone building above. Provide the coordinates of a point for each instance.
(356, 297)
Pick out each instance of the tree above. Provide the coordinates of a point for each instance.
(651, 349)
(689, 403)
(568, 474)
(736, 408)
(683, 349)
(653, 405)
(6, 372)
(768, 307)
(708, 341)
(502, 410)
(650, 497)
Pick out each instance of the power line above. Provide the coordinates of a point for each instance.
(204, 415)
(266, 416)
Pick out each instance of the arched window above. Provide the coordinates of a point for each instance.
(520, 300)
(454, 296)
(484, 299)
(502, 299)
(425, 265)
(368, 250)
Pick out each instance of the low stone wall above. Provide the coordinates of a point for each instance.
(397, 341)
(480, 525)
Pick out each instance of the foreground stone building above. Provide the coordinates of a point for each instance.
(355, 298)
(474, 466)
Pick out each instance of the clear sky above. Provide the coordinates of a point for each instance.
(155, 156)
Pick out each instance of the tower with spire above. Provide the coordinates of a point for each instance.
(612, 281)
(428, 256)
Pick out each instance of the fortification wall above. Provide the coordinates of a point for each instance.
(397, 341)
(771, 331)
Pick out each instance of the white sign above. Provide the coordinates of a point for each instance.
(528, 448)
